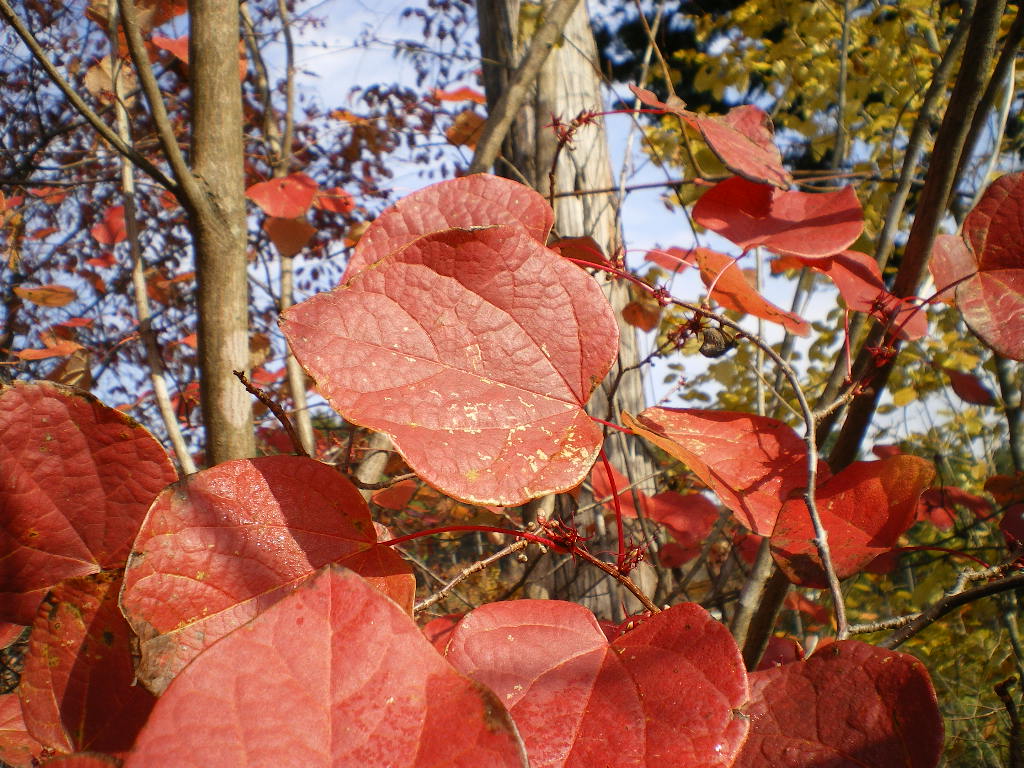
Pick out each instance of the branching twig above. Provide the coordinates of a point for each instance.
(476, 567)
(275, 409)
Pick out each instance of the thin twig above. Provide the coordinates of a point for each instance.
(476, 567)
(275, 409)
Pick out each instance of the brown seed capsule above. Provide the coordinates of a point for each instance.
(715, 342)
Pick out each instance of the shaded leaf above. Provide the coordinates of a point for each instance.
(289, 236)
(780, 650)
(729, 287)
(224, 544)
(864, 509)
(285, 198)
(77, 688)
(478, 200)
(850, 704)
(752, 463)
(438, 631)
(17, 747)
(76, 479)
(581, 248)
(466, 129)
(332, 675)
(969, 388)
(476, 351)
(689, 517)
(663, 694)
(794, 222)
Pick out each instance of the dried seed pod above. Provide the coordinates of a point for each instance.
(715, 342)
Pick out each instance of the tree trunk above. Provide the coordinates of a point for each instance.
(568, 85)
(220, 229)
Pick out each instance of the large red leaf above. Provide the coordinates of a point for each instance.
(224, 544)
(850, 704)
(471, 201)
(864, 509)
(992, 299)
(743, 139)
(753, 463)
(77, 688)
(76, 479)
(662, 695)
(794, 222)
(17, 747)
(333, 676)
(476, 351)
(284, 198)
(730, 288)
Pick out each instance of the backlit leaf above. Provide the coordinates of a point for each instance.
(864, 509)
(76, 479)
(969, 388)
(662, 695)
(753, 463)
(112, 228)
(47, 295)
(333, 675)
(284, 198)
(224, 544)
(795, 223)
(850, 704)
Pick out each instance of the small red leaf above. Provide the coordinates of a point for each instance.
(466, 129)
(397, 496)
(581, 248)
(47, 295)
(689, 517)
(753, 463)
(662, 695)
(285, 198)
(332, 675)
(479, 200)
(850, 704)
(222, 545)
(969, 388)
(76, 479)
(864, 509)
(438, 631)
(460, 94)
(673, 259)
(730, 288)
(780, 650)
(795, 223)
(112, 229)
(289, 236)
(938, 506)
(77, 689)
(176, 46)
(476, 351)
(335, 200)
(644, 315)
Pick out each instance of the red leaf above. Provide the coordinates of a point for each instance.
(460, 94)
(603, 491)
(333, 675)
(439, 630)
(689, 517)
(53, 295)
(937, 506)
(335, 200)
(664, 694)
(751, 462)
(581, 248)
(864, 509)
(817, 613)
(476, 351)
(466, 129)
(674, 555)
(76, 479)
(285, 198)
(730, 288)
(795, 223)
(859, 281)
(83, 760)
(224, 544)
(471, 201)
(780, 650)
(289, 236)
(850, 704)
(1012, 525)
(77, 688)
(397, 496)
(176, 46)
(673, 259)
(644, 315)
(17, 747)
(969, 388)
(951, 263)
(112, 229)
(743, 139)
(992, 299)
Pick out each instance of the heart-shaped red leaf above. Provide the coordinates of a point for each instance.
(743, 139)
(850, 704)
(662, 695)
(332, 675)
(77, 689)
(476, 351)
(992, 299)
(17, 747)
(284, 198)
(753, 463)
(479, 200)
(224, 544)
(730, 288)
(864, 509)
(795, 223)
(76, 479)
